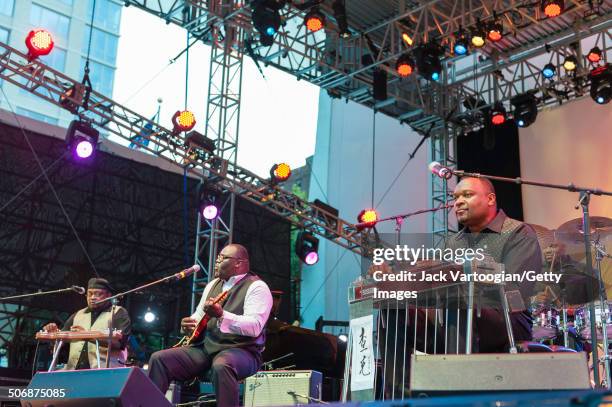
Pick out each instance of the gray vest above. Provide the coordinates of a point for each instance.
(215, 340)
(83, 319)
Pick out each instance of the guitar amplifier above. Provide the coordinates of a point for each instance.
(283, 388)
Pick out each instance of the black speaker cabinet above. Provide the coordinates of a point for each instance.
(122, 387)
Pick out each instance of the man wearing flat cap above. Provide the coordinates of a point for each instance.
(95, 317)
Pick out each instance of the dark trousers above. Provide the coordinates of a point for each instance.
(184, 363)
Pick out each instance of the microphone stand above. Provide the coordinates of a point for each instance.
(115, 299)
(15, 297)
(585, 197)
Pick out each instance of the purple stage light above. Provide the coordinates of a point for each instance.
(311, 258)
(210, 212)
(84, 149)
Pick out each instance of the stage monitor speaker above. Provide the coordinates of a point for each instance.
(498, 372)
(121, 387)
(282, 388)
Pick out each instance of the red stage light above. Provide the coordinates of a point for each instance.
(498, 119)
(495, 32)
(183, 120)
(594, 55)
(314, 20)
(368, 217)
(280, 172)
(404, 66)
(552, 8)
(39, 43)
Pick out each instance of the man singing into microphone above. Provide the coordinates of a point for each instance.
(507, 241)
(95, 317)
(234, 337)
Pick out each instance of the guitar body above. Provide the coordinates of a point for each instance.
(200, 329)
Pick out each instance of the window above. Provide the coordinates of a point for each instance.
(107, 16)
(6, 7)
(103, 46)
(4, 34)
(36, 116)
(56, 23)
(56, 59)
(101, 76)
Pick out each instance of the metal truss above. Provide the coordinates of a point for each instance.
(59, 89)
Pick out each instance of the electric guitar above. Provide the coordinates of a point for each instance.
(200, 328)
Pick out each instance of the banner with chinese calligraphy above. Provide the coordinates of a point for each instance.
(362, 355)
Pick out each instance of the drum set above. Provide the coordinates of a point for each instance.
(562, 314)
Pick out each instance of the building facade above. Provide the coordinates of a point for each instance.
(69, 23)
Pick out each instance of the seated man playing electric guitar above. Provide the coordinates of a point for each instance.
(233, 311)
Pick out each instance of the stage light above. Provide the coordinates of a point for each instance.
(314, 20)
(407, 39)
(266, 20)
(461, 44)
(525, 109)
(428, 61)
(498, 114)
(149, 316)
(601, 83)
(368, 217)
(495, 31)
(183, 121)
(39, 42)
(209, 211)
(478, 36)
(594, 55)
(342, 338)
(280, 172)
(552, 8)
(570, 64)
(339, 10)
(549, 71)
(307, 248)
(82, 139)
(404, 66)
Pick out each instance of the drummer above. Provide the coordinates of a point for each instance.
(95, 317)
(573, 285)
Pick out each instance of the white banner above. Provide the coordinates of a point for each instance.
(362, 359)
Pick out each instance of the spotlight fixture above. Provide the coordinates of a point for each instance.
(525, 109)
(307, 248)
(367, 218)
(570, 64)
(280, 172)
(404, 66)
(552, 8)
(339, 9)
(594, 55)
(601, 84)
(149, 316)
(407, 39)
(82, 139)
(498, 114)
(478, 36)
(39, 43)
(343, 338)
(549, 71)
(183, 121)
(197, 140)
(495, 31)
(209, 210)
(461, 43)
(266, 19)
(428, 61)
(314, 20)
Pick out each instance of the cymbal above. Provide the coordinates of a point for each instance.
(571, 231)
(545, 236)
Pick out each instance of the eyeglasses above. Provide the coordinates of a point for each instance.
(222, 257)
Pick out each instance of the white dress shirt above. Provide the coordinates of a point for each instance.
(257, 306)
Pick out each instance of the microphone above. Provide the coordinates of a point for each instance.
(187, 272)
(77, 289)
(440, 170)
